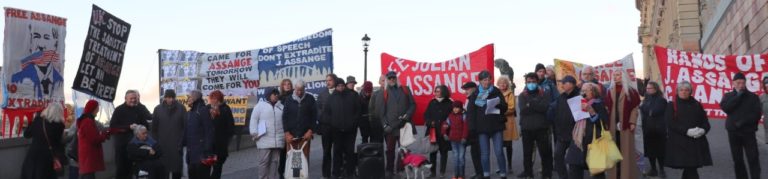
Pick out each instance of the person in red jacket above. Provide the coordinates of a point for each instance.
(89, 139)
(456, 131)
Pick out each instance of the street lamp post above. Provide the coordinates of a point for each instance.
(366, 43)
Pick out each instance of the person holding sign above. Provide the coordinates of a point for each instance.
(743, 109)
(586, 130)
(563, 124)
(488, 122)
(622, 101)
(535, 127)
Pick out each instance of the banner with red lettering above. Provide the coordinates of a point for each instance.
(33, 67)
(710, 75)
(423, 77)
(603, 72)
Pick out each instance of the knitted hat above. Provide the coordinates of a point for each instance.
(367, 87)
(273, 91)
(340, 81)
(739, 76)
(169, 93)
(90, 106)
(539, 67)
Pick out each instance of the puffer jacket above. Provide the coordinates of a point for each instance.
(272, 116)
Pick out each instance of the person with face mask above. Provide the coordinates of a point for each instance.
(132, 112)
(743, 109)
(535, 127)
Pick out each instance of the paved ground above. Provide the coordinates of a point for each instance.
(241, 164)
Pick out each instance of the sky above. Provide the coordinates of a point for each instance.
(524, 32)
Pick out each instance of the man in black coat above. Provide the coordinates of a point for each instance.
(129, 113)
(563, 124)
(472, 140)
(322, 125)
(299, 117)
(535, 126)
(343, 111)
(744, 110)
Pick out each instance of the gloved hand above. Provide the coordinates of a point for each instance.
(691, 132)
(698, 132)
(618, 126)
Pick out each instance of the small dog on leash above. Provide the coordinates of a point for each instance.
(414, 163)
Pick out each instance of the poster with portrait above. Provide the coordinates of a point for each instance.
(33, 66)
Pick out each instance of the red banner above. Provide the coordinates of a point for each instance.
(423, 77)
(710, 75)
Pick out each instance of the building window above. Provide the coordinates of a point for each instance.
(746, 38)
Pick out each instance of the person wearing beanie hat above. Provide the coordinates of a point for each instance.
(131, 112)
(270, 140)
(764, 102)
(343, 112)
(168, 126)
(364, 124)
(488, 125)
(541, 71)
(743, 109)
(89, 142)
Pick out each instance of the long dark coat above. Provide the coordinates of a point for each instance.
(654, 125)
(684, 151)
(168, 128)
(486, 123)
(437, 112)
(39, 161)
(224, 129)
(199, 133)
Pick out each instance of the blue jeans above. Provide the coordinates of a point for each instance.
(458, 155)
(485, 153)
(74, 172)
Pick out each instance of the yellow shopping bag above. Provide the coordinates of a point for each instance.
(602, 153)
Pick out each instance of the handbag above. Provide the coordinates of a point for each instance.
(432, 136)
(296, 165)
(602, 153)
(56, 162)
(406, 135)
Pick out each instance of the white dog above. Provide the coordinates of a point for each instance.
(414, 163)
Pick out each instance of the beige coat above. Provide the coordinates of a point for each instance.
(511, 133)
(617, 110)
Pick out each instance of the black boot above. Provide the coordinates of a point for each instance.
(653, 173)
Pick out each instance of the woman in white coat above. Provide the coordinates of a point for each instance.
(266, 129)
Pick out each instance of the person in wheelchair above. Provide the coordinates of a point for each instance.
(145, 153)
